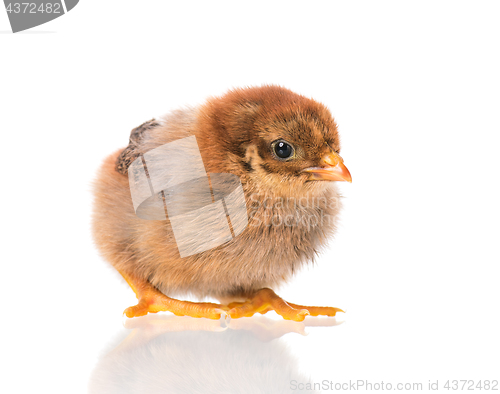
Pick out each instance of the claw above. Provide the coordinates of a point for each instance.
(265, 300)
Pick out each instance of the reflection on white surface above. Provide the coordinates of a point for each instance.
(171, 354)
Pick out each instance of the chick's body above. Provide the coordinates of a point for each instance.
(291, 212)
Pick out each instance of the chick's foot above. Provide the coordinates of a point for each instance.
(151, 300)
(266, 300)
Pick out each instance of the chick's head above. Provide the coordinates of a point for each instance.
(277, 139)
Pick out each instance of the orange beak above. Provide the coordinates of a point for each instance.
(332, 169)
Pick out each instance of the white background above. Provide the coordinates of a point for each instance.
(414, 88)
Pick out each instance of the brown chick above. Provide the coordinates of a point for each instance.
(284, 148)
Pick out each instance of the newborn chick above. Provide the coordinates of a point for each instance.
(284, 148)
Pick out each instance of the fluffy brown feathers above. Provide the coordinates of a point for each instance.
(291, 211)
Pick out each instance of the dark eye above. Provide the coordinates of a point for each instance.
(283, 149)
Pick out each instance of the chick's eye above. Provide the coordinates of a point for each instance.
(283, 149)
